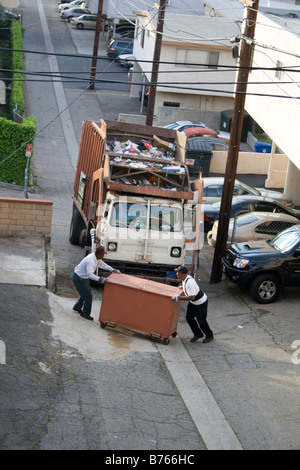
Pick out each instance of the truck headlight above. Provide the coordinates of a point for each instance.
(112, 246)
(176, 252)
(240, 262)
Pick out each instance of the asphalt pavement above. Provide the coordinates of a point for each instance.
(68, 384)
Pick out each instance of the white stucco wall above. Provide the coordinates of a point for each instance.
(278, 116)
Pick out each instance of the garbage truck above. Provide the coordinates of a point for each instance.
(133, 195)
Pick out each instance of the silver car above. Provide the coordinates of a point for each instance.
(213, 188)
(253, 226)
(73, 13)
(85, 22)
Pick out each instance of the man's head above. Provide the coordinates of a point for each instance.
(182, 272)
(99, 251)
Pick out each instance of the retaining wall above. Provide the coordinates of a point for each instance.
(25, 216)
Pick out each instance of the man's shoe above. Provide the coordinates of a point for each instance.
(199, 335)
(208, 339)
(78, 310)
(87, 317)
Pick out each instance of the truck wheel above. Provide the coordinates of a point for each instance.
(77, 224)
(265, 288)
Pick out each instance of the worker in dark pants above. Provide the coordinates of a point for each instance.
(82, 274)
(197, 307)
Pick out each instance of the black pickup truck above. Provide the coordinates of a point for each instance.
(265, 266)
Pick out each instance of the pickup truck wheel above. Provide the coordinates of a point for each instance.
(265, 288)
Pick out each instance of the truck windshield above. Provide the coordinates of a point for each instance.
(285, 241)
(134, 215)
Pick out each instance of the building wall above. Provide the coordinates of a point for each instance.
(198, 87)
(279, 117)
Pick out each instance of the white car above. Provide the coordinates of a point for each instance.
(253, 226)
(75, 3)
(73, 13)
(213, 188)
(85, 22)
(181, 125)
(126, 60)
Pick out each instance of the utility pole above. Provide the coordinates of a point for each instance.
(155, 65)
(96, 43)
(235, 139)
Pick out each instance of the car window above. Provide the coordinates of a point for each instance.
(245, 219)
(243, 209)
(264, 206)
(213, 190)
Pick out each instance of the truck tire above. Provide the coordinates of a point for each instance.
(265, 288)
(76, 226)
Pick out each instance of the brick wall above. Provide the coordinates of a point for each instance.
(25, 216)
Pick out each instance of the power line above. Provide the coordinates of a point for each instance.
(219, 66)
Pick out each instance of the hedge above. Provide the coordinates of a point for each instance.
(15, 136)
(17, 95)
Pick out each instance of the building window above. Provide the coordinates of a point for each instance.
(279, 72)
(196, 58)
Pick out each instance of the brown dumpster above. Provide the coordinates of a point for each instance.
(140, 305)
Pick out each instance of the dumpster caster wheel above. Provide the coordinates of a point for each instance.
(166, 340)
(102, 325)
(174, 334)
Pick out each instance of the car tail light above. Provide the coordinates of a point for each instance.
(206, 219)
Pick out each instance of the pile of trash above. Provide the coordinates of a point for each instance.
(143, 148)
(143, 172)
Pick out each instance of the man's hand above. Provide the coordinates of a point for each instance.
(103, 280)
(176, 298)
(116, 271)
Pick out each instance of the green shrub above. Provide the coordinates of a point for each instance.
(13, 140)
(17, 94)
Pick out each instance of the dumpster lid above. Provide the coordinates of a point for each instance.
(199, 146)
(132, 282)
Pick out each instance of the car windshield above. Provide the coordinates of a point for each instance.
(247, 189)
(245, 219)
(134, 215)
(286, 240)
(173, 125)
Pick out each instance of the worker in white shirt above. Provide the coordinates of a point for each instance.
(85, 271)
(196, 313)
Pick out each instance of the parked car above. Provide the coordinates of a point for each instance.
(265, 267)
(224, 135)
(253, 226)
(119, 46)
(242, 205)
(85, 22)
(199, 132)
(126, 60)
(73, 4)
(213, 188)
(122, 30)
(13, 16)
(73, 13)
(182, 125)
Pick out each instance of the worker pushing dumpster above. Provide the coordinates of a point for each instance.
(141, 305)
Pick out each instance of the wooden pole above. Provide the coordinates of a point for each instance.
(234, 144)
(155, 65)
(96, 43)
